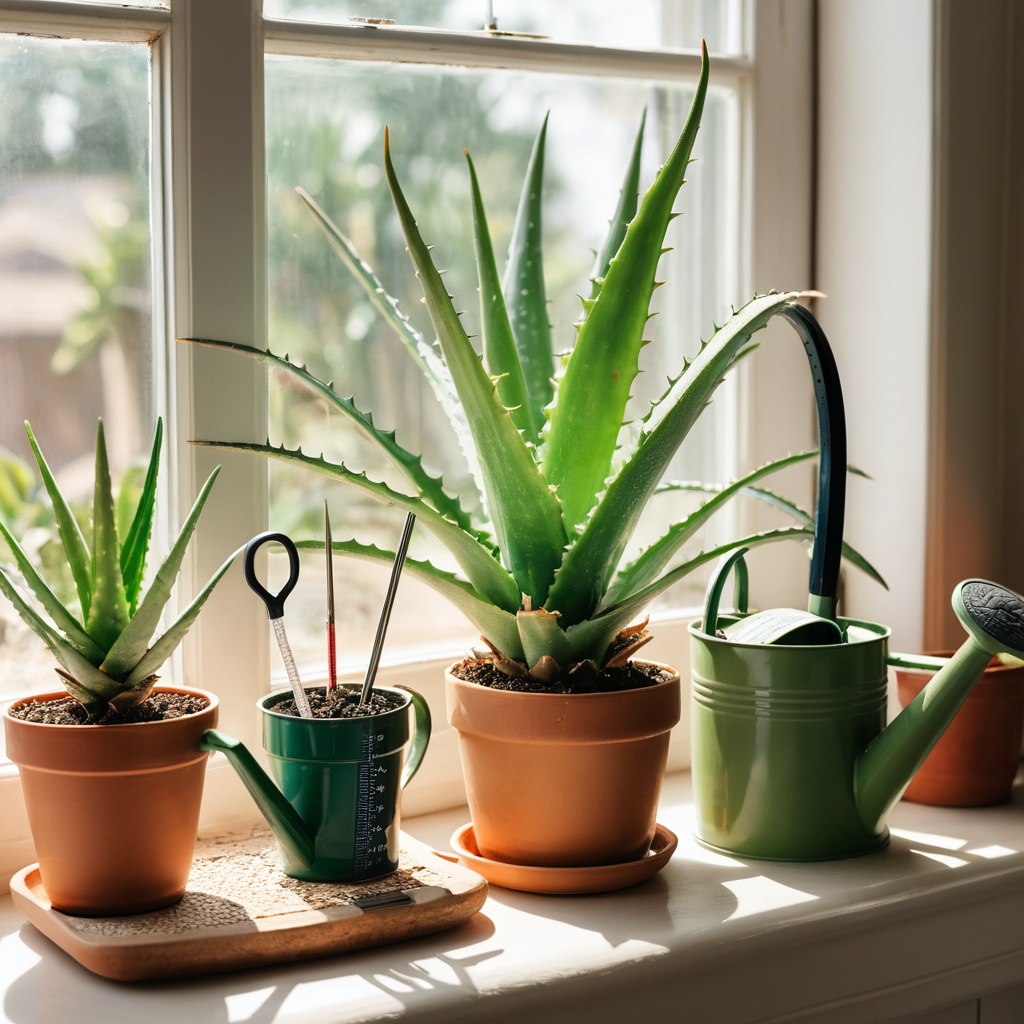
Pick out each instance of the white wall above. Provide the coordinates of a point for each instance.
(874, 263)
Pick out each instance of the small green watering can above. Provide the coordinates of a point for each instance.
(792, 759)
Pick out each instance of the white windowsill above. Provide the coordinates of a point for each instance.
(934, 920)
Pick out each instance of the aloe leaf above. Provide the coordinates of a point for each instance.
(850, 553)
(136, 542)
(168, 642)
(130, 646)
(523, 286)
(411, 466)
(475, 560)
(542, 636)
(64, 620)
(74, 662)
(426, 356)
(652, 560)
(75, 548)
(108, 609)
(495, 624)
(625, 211)
(590, 639)
(595, 388)
(588, 566)
(500, 355)
(525, 513)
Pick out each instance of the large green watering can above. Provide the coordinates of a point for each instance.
(792, 759)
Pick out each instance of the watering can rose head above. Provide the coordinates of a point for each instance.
(107, 661)
(563, 472)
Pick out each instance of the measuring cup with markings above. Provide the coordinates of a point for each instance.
(337, 813)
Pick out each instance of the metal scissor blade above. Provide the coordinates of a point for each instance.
(301, 700)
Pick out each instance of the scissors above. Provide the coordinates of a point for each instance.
(275, 607)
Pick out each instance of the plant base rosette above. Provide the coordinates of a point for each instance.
(114, 809)
(563, 780)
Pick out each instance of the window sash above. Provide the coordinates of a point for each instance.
(209, 264)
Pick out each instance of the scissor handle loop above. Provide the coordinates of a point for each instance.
(274, 602)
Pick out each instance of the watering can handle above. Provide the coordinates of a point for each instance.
(827, 553)
(714, 595)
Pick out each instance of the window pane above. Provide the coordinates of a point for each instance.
(325, 123)
(648, 23)
(75, 295)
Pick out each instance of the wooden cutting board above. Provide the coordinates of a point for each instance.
(240, 910)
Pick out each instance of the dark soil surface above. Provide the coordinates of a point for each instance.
(343, 703)
(67, 710)
(631, 676)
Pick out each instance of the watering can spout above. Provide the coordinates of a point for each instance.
(289, 829)
(994, 619)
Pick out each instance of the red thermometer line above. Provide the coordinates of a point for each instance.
(332, 660)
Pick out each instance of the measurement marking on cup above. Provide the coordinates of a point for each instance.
(371, 851)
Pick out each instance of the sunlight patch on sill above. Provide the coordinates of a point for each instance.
(760, 894)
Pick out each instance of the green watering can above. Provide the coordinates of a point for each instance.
(792, 759)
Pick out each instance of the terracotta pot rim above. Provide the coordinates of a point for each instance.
(286, 692)
(674, 676)
(213, 701)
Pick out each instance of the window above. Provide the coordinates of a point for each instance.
(212, 117)
(76, 338)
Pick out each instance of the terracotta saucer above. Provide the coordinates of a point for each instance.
(564, 881)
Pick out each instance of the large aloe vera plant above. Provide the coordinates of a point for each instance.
(563, 483)
(108, 663)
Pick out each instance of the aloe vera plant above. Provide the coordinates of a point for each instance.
(108, 663)
(563, 478)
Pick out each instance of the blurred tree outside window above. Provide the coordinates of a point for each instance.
(75, 295)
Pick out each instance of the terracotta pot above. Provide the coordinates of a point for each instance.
(114, 809)
(975, 761)
(563, 780)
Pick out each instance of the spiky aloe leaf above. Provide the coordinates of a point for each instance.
(64, 620)
(625, 211)
(590, 639)
(525, 513)
(108, 609)
(475, 560)
(136, 542)
(129, 647)
(168, 642)
(76, 664)
(523, 286)
(542, 636)
(500, 355)
(411, 466)
(78, 556)
(594, 390)
(652, 560)
(494, 623)
(850, 553)
(426, 356)
(585, 574)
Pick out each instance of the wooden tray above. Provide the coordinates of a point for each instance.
(241, 910)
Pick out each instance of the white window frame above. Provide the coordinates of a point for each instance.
(210, 273)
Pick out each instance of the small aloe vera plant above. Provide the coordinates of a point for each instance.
(563, 479)
(107, 661)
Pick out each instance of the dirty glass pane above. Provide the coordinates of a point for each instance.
(325, 125)
(641, 24)
(75, 295)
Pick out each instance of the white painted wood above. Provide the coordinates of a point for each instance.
(776, 397)
(108, 22)
(874, 262)
(217, 214)
(484, 49)
(887, 936)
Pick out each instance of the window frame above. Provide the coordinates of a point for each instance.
(210, 279)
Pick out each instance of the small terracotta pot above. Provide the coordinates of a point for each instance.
(563, 780)
(114, 809)
(975, 761)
